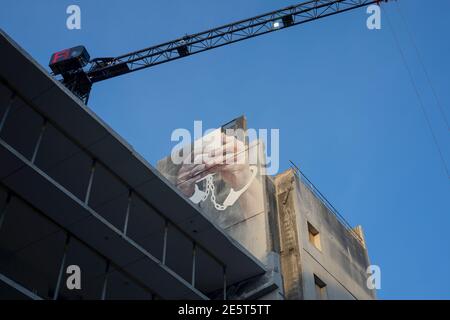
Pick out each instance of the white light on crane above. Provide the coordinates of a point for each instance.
(277, 24)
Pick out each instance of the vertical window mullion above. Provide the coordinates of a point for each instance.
(127, 215)
(91, 181)
(166, 229)
(224, 283)
(105, 281)
(38, 142)
(8, 109)
(61, 269)
(194, 258)
(4, 208)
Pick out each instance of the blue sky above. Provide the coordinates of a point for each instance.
(339, 93)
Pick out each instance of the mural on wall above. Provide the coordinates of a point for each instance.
(222, 174)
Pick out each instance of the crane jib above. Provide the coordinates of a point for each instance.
(72, 69)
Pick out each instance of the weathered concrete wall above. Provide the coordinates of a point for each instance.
(342, 261)
(251, 221)
(252, 231)
(289, 238)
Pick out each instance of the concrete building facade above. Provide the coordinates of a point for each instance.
(321, 258)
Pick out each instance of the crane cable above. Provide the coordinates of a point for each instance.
(417, 93)
(427, 75)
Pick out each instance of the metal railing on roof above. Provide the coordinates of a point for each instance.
(325, 201)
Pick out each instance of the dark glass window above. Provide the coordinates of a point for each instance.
(109, 197)
(22, 128)
(120, 287)
(208, 273)
(31, 249)
(179, 253)
(92, 273)
(146, 227)
(66, 163)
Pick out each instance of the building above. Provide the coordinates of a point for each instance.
(321, 256)
(74, 193)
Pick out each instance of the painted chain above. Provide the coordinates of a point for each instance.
(233, 196)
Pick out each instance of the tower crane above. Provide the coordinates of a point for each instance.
(78, 72)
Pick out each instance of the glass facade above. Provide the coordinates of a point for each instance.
(35, 254)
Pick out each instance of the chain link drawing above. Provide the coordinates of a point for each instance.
(201, 196)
